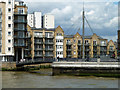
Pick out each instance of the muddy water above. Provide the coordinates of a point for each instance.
(43, 79)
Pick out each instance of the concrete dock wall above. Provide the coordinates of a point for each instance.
(76, 68)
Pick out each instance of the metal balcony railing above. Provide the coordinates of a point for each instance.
(38, 55)
(48, 48)
(20, 21)
(49, 55)
(20, 29)
(38, 36)
(38, 42)
(49, 42)
(50, 36)
(38, 48)
(68, 43)
(21, 45)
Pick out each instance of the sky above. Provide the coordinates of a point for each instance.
(102, 15)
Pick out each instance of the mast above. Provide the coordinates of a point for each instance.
(83, 31)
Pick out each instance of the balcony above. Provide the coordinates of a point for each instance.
(87, 44)
(103, 50)
(68, 43)
(48, 49)
(49, 42)
(49, 55)
(68, 55)
(95, 50)
(111, 50)
(19, 13)
(20, 21)
(20, 45)
(50, 36)
(79, 44)
(0, 20)
(68, 49)
(38, 42)
(38, 55)
(38, 49)
(87, 50)
(19, 29)
(19, 37)
(103, 44)
(38, 36)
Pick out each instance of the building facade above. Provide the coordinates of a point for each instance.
(95, 46)
(118, 42)
(42, 43)
(20, 30)
(53, 43)
(6, 8)
(48, 21)
(35, 20)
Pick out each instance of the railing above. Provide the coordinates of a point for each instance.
(21, 45)
(68, 49)
(38, 36)
(49, 55)
(103, 44)
(20, 21)
(111, 50)
(68, 43)
(51, 36)
(19, 13)
(38, 55)
(38, 42)
(103, 50)
(49, 42)
(79, 44)
(38, 48)
(19, 29)
(87, 44)
(48, 48)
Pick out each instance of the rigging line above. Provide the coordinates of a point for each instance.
(89, 25)
(76, 29)
(73, 25)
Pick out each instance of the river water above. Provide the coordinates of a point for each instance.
(43, 79)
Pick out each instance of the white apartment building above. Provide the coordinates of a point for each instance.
(35, 20)
(59, 39)
(7, 19)
(48, 21)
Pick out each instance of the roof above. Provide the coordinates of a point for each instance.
(33, 28)
(19, 1)
(68, 36)
(86, 37)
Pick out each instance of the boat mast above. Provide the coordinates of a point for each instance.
(83, 31)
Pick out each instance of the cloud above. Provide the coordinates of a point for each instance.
(112, 23)
(102, 16)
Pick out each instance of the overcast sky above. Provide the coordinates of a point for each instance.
(102, 16)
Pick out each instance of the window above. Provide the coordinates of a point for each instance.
(86, 42)
(111, 48)
(9, 49)
(9, 2)
(0, 49)
(94, 43)
(21, 18)
(74, 53)
(0, 41)
(21, 26)
(9, 25)
(0, 17)
(21, 10)
(59, 34)
(103, 43)
(0, 25)
(9, 41)
(9, 17)
(9, 33)
(79, 41)
(9, 9)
